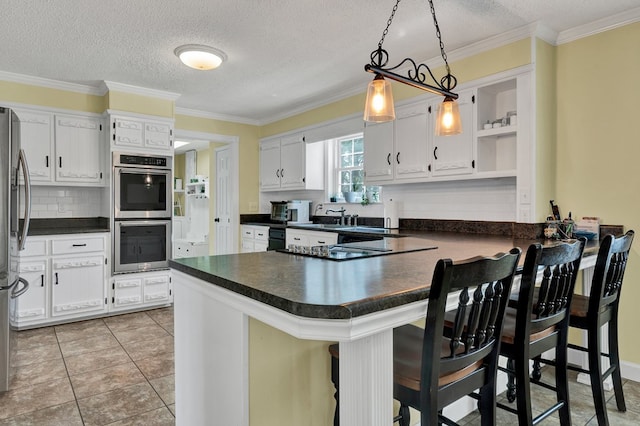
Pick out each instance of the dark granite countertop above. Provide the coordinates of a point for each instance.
(56, 226)
(320, 288)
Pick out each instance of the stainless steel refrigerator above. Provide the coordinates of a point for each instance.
(13, 234)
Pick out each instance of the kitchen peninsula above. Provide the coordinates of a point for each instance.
(356, 302)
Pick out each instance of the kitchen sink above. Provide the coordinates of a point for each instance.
(326, 226)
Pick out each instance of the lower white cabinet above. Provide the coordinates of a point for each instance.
(140, 290)
(310, 238)
(254, 238)
(78, 286)
(67, 277)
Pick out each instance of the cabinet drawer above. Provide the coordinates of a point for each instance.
(247, 232)
(261, 233)
(77, 245)
(34, 248)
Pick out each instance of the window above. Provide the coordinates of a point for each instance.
(350, 170)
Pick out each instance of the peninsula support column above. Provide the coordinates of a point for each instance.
(366, 380)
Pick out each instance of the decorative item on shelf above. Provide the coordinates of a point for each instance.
(512, 118)
(177, 184)
(488, 125)
(379, 104)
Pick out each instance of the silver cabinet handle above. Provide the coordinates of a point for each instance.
(27, 202)
(23, 290)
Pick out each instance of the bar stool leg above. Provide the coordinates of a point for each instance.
(595, 372)
(614, 359)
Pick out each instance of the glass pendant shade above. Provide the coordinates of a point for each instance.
(379, 104)
(448, 120)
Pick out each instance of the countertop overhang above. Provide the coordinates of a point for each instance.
(319, 288)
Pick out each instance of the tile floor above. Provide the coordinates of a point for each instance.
(116, 371)
(119, 371)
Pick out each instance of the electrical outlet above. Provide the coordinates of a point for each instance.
(253, 206)
(62, 208)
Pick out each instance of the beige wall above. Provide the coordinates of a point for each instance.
(129, 102)
(597, 146)
(53, 98)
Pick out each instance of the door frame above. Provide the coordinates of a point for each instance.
(234, 178)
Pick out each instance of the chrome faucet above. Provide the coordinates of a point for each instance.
(341, 211)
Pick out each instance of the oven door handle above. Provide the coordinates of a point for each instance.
(143, 171)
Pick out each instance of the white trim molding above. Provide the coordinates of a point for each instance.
(142, 91)
(51, 84)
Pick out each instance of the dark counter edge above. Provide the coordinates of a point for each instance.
(358, 308)
(80, 225)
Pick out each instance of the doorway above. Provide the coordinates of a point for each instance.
(228, 187)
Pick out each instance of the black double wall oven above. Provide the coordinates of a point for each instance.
(142, 200)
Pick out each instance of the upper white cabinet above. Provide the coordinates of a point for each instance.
(63, 149)
(78, 149)
(494, 143)
(453, 155)
(36, 138)
(127, 132)
(398, 151)
(290, 163)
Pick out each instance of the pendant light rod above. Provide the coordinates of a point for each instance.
(411, 81)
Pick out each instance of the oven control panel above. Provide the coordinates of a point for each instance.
(121, 159)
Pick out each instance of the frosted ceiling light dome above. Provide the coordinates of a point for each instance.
(200, 57)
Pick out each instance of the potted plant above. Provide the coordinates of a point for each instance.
(357, 186)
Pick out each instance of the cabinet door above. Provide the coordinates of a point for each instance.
(292, 163)
(322, 238)
(270, 165)
(378, 150)
(127, 133)
(157, 290)
(78, 286)
(127, 293)
(453, 155)
(32, 305)
(411, 155)
(36, 138)
(157, 135)
(247, 246)
(78, 149)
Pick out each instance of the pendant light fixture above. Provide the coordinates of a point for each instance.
(200, 57)
(379, 104)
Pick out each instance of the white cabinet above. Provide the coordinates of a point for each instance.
(63, 149)
(184, 248)
(140, 290)
(453, 155)
(254, 238)
(399, 151)
(67, 278)
(79, 153)
(32, 305)
(378, 147)
(290, 163)
(138, 133)
(78, 285)
(306, 238)
(36, 138)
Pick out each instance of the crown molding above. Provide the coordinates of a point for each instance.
(601, 25)
(86, 89)
(142, 91)
(214, 116)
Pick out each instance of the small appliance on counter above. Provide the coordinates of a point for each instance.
(292, 211)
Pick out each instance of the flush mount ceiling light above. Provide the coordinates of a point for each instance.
(200, 57)
(379, 104)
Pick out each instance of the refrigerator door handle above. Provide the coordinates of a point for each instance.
(17, 293)
(27, 202)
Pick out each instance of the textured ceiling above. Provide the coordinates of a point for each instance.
(283, 55)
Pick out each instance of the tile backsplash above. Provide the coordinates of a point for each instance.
(58, 201)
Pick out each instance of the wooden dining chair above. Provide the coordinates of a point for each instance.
(600, 308)
(431, 371)
(538, 321)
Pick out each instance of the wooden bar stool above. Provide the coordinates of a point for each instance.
(538, 321)
(431, 371)
(600, 308)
